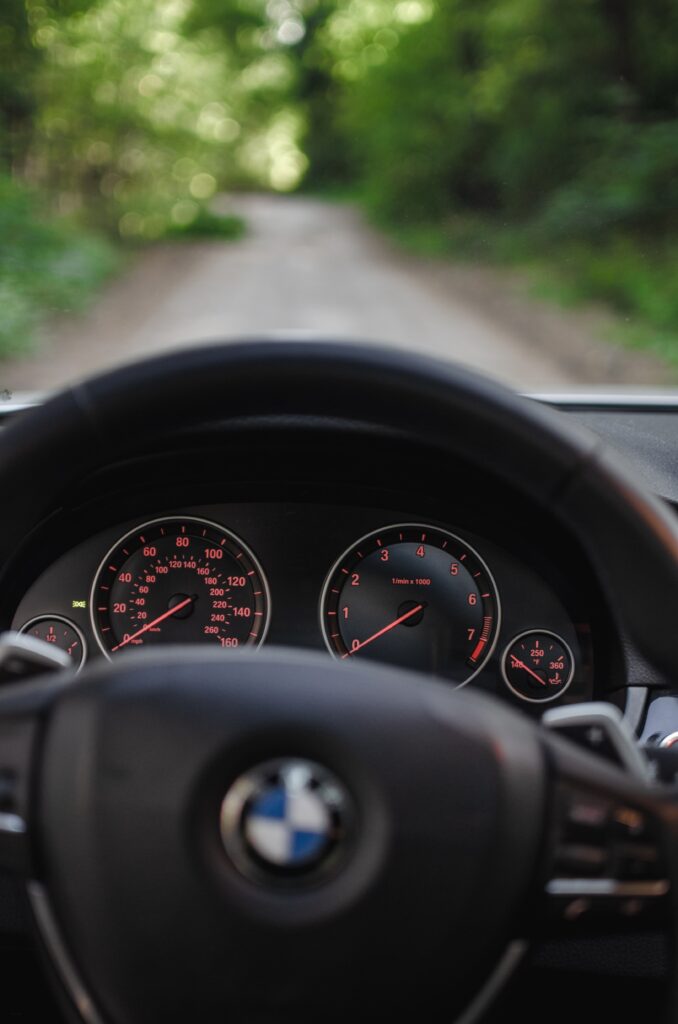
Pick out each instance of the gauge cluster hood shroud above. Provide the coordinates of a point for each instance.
(559, 465)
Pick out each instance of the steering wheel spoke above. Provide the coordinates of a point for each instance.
(22, 710)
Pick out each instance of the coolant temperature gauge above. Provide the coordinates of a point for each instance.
(538, 666)
(60, 632)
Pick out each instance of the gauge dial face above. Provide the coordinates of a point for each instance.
(538, 666)
(413, 596)
(179, 581)
(64, 634)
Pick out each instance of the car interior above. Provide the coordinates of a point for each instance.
(430, 618)
(338, 512)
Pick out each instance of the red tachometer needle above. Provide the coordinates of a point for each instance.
(386, 629)
(517, 663)
(149, 625)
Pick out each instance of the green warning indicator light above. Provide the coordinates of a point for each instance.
(79, 604)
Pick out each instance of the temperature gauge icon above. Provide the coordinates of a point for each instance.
(538, 666)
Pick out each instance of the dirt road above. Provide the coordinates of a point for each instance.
(313, 268)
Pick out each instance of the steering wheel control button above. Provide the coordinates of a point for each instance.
(285, 819)
(618, 870)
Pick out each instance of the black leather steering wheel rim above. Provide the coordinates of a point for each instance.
(629, 536)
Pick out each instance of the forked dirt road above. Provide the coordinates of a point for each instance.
(312, 268)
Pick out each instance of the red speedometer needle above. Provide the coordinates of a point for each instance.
(149, 625)
(386, 629)
(517, 663)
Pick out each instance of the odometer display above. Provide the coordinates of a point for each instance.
(177, 581)
(413, 596)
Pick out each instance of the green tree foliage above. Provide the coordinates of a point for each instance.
(17, 64)
(133, 121)
(561, 112)
(553, 123)
(523, 108)
(132, 113)
(45, 265)
(541, 131)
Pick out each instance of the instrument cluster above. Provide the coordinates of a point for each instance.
(426, 596)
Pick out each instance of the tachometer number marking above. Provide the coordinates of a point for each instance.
(377, 602)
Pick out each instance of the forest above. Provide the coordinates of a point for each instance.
(541, 134)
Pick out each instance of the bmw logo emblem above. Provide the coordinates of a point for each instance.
(286, 818)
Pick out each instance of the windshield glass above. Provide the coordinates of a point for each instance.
(490, 181)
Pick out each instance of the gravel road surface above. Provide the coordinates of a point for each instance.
(311, 268)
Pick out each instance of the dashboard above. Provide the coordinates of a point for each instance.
(357, 581)
(337, 538)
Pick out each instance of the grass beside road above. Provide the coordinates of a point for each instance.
(206, 225)
(633, 276)
(46, 266)
(53, 265)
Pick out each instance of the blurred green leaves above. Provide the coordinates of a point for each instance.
(133, 118)
(133, 113)
(45, 265)
(539, 130)
(530, 131)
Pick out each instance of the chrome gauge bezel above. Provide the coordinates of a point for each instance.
(543, 632)
(67, 622)
(174, 518)
(423, 527)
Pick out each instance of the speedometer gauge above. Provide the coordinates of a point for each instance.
(414, 596)
(176, 581)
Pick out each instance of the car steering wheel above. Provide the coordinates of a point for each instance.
(139, 801)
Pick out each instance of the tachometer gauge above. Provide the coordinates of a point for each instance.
(177, 581)
(414, 596)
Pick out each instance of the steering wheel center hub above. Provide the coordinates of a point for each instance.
(289, 819)
(281, 809)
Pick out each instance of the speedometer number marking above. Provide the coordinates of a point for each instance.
(179, 581)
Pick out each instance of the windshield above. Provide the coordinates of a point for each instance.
(489, 181)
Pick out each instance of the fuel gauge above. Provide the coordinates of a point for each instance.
(64, 634)
(538, 666)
